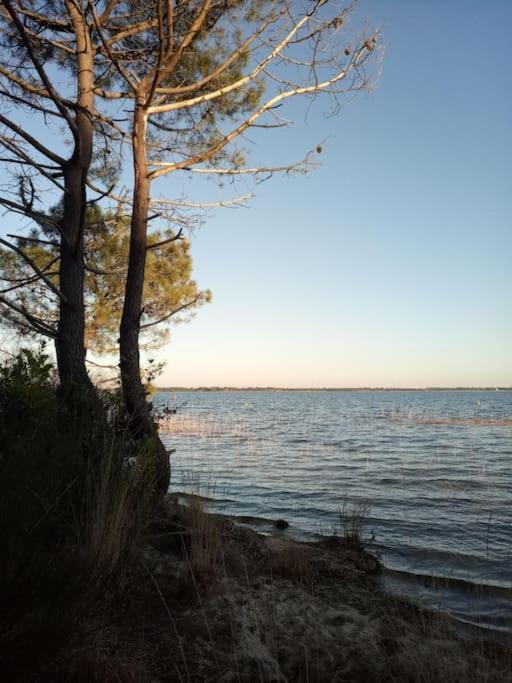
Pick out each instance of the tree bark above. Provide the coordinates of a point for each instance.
(70, 342)
(134, 394)
(70, 345)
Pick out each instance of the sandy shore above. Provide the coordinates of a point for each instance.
(214, 601)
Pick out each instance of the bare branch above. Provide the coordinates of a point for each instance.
(200, 99)
(109, 8)
(29, 212)
(272, 102)
(303, 166)
(162, 243)
(34, 267)
(36, 323)
(173, 312)
(98, 271)
(31, 140)
(39, 67)
(236, 201)
(45, 21)
(36, 240)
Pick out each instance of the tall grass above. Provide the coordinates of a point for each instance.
(71, 509)
(351, 525)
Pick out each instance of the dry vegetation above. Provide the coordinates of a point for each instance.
(205, 425)
(213, 601)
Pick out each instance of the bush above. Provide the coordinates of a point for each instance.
(72, 503)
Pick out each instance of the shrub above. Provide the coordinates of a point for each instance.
(72, 503)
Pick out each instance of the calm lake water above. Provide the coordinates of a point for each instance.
(435, 467)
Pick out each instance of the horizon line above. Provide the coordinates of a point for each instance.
(369, 388)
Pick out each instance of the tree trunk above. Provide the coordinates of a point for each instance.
(134, 394)
(70, 345)
(70, 342)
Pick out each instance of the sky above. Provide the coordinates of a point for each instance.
(391, 264)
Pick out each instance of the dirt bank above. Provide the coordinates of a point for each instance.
(214, 601)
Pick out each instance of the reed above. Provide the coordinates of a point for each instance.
(351, 525)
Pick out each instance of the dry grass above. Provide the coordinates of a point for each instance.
(202, 425)
(290, 561)
(205, 552)
(115, 512)
(195, 425)
(351, 525)
(268, 624)
(208, 427)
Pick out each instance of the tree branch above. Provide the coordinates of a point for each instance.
(169, 315)
(200, 99)
(36, 323)
(162, 243)
(236, 201)
(39, 68)
(32, 141)
(272, 102)
(34, 267)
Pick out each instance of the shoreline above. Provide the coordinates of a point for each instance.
(213, 601)
(323, 389)
(269, 527)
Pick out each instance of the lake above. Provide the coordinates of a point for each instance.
(434, 467)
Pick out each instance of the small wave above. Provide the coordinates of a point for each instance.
(393, 481)
(465, 421)
(476, 605)
(442, 581)
(347, 445)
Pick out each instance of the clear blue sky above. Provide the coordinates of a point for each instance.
(391, 265)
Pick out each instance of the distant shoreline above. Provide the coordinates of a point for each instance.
(310, 389)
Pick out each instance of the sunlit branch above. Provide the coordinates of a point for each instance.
(273, 101)
(237, 201)
(236, 85)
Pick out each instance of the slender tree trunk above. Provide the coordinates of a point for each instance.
(70, 345)
(134, 393)
(70, 342)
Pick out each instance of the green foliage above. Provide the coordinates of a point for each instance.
(26, 386)
(74, 494)
(170, 293)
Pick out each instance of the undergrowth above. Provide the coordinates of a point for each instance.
(73, 499)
